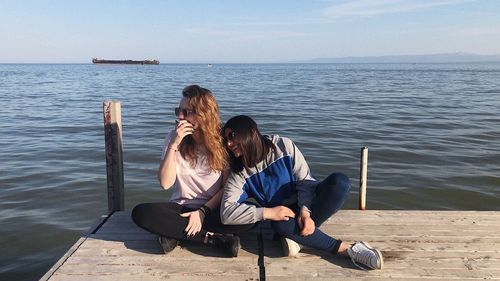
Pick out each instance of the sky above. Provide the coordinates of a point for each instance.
(184, 31)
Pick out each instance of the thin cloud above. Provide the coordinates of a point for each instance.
(378, 7)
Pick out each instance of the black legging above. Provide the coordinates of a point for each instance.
(164, 219)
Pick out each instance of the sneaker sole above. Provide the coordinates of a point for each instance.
(288, 244)
(379, 254)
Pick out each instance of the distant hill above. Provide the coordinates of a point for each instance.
(431, 58)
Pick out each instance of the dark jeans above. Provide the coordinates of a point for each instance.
(164, 219)
(331, 194)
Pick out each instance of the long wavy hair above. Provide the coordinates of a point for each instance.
(205, 107)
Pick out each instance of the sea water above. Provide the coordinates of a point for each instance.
(432, 131)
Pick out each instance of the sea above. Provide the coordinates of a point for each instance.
(432, 133)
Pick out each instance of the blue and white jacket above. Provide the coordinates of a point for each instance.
(283, 178)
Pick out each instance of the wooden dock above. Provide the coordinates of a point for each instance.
(417, 245)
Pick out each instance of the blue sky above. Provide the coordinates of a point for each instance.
(204, 31)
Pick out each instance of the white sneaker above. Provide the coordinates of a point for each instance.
(290, 247)
(365, 257)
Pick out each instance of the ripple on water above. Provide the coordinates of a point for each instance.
(432, 133)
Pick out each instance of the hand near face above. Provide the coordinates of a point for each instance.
(183, 129)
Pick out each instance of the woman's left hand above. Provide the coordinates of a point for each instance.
(306, 223)
(195, 222)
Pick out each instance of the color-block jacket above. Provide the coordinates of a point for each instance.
(283, 178)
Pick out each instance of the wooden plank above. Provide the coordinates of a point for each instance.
(211, 269)
(317, 277)
(187, 258)
(94, 227)
(451, 263)
(191, 251)
(340, 267)
(151, 276)
(416, 245)
(376, 238)
(114, 154)
(63, 259)
(277, 252)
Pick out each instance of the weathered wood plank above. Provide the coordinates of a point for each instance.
(74, 248)
(410, 237)
(193, 268)
(114, 154)
(430, 245)
(334, 267)
(148, 276)
(385, 246)
(451, 263)
(306, 253)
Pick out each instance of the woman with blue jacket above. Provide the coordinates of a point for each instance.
(270, 180)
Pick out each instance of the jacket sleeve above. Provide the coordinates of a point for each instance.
(305, 183)
(234, 210)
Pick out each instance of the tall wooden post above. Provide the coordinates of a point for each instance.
(114, 154)
(362, 177)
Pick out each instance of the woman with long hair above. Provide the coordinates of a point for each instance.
(273, 172)
(194, 163)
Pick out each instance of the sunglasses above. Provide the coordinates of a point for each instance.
(231, 136)
(185, 111)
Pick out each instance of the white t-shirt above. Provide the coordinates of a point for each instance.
(193, 187)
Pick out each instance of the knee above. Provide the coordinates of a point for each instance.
(283, 228)
(339, 183)
(138, 213)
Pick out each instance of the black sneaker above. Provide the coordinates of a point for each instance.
(229, 243)
(167, 244)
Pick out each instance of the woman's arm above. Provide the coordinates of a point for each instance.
(233, 208)
(305, 186)
(167, 170)
(304, 182)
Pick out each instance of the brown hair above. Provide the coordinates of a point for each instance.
(203, 102)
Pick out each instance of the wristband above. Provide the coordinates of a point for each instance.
(174, 149)
(205, 210)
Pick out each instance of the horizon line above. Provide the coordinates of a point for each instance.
(459, 57)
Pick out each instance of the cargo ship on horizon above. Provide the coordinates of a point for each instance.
(142, 62)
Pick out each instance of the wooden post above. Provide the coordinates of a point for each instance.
(114, 154)
(362, 177)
